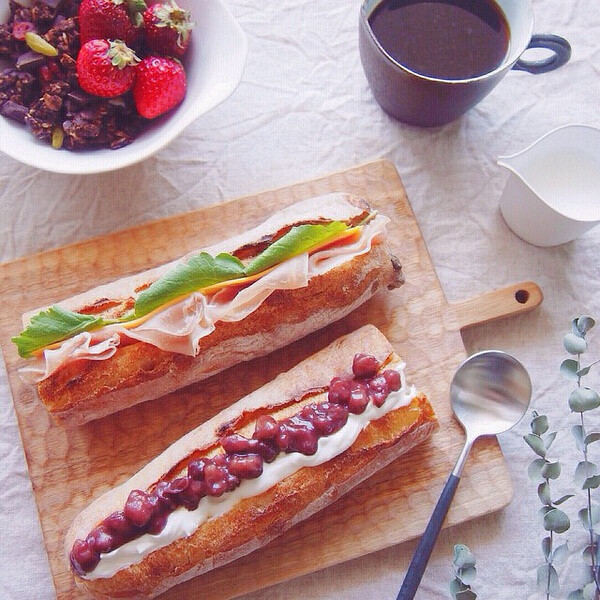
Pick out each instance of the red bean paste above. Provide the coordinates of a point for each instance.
(243, 458)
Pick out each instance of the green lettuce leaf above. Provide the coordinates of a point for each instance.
(200, 271)
(56, 324)
(296, 241)
(53, 325)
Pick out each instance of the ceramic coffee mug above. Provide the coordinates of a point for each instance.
(429, 101)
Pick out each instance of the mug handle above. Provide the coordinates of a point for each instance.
(561, 52)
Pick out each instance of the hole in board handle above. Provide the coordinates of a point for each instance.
(521, 296)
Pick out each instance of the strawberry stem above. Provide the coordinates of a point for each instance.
(121, 55)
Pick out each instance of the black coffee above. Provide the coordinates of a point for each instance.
(446, 39)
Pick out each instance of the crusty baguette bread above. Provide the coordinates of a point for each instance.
(255, 521)
(84, 390)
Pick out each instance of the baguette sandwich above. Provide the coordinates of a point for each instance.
(265, 463)
(149, 334)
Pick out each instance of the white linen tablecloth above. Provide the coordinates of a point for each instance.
(302, 110)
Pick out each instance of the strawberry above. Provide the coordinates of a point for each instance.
(106, 68)
(167, 29)
(160, 85)
(110, 19)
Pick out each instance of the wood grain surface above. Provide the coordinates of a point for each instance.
(70, 468)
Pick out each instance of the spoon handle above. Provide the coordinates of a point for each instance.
(427, 542)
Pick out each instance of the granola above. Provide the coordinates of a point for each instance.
(43, 93)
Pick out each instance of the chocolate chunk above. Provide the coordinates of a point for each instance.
(53, 3)
(79, 98)
(14, 111)
(30, 61)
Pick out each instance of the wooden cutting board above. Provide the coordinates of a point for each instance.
(70, 468)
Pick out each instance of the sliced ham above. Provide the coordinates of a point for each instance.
(330, 258)
(91, 346)
(180, 327)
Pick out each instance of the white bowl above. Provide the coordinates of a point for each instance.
(214, 65)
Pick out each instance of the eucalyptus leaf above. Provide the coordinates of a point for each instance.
(583, 515)
(543, 511)
(536, 443)
(560, 554)
(576, 595)
(539, 424)
(583, 399)
(535, 469)
(584, 470)
(569, 368)
(549, 439)
(547, 580)
(556, 520)
(551, 470)
(578, 432)
(574, 344)
(466, 595)
(584, 323)
(591, 438)
(544, 493)
(456, 586)
(591, 483)
(589, 591)
(583, 371)
(562, 499)
(547, 547)
(463, 557)
(467, 574)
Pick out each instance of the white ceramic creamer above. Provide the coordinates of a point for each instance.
(553, 193)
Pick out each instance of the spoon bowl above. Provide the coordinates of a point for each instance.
(490, 393)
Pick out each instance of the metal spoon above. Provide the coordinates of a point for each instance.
(490, 392)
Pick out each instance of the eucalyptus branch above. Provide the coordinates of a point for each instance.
(554, 520)
(464, 573)
(582, 400)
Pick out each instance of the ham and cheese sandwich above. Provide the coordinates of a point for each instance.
(254, 470)
(149, 334)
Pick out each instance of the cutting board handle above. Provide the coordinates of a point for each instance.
(512, 300)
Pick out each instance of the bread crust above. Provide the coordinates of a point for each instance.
(84, 390)
(255, 521)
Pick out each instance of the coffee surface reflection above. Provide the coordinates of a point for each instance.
(444, 39)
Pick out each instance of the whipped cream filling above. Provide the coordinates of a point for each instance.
(180, 327)
(182, 523)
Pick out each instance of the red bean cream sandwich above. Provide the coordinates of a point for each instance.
(254, 470)
(143, 336)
